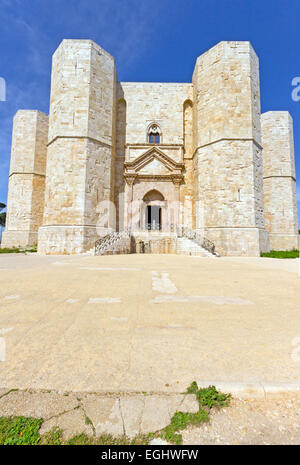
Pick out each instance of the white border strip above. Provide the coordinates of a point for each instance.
(253, 390)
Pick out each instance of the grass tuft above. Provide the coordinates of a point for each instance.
(179, 422)
(207, 398)
(211, 397)
(52, 438)
(108, 439)
(193, 388)
(281, 254)
(80, 440)
(19, 431)
(88, 421)
(18, 250)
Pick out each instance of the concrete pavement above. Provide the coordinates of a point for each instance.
(147, 323)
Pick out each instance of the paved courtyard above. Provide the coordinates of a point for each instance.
(149, 323)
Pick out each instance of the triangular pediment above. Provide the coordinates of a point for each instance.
(154, 161)
(153, 166)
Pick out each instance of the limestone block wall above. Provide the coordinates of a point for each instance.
(279, 180)
(119, 181)
(81, 146)
(151, 242)
(63, 177)
(186, 189)
(169, 105)
(228, 182)
(160, 102)
(186, 217)
(25, 204)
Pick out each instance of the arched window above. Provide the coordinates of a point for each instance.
(154, 134)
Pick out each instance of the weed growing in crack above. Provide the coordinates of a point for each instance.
(207, 398)
(52, 437)
(211, 397)
(21, 430)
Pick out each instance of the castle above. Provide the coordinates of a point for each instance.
(149, 158)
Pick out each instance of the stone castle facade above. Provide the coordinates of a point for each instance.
(148, 158)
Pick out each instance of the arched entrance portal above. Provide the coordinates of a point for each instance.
(154, 201)
(153, 218)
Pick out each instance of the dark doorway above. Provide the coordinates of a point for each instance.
(153, 218)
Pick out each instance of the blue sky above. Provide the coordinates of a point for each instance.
(150, 40)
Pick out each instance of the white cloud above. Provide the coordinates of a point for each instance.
(123, 28)
(33, 31)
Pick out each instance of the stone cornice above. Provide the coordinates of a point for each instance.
(66, 225)
(280, 176)
(26, 172)
(104, 144)
(139, 145)
(244, 139)
(176, 179)
(233, 227)
(154, 152)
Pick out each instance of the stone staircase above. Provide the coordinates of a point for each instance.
(112, 244)
(183, 242)
(90, 252)
(185, 246)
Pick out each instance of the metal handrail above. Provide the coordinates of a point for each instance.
(153, 226)
(103, 243)
(198, 238)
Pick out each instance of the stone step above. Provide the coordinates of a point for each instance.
(115, 414)
(90, 252)
(186, 246)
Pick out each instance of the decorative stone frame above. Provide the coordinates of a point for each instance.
(158, 130)
(174, 175)
(175, 169)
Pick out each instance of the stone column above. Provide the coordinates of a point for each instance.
(80, 146)
(177, 181)
(279, 180)
(228, 183)
(26, 188)
(130, 182)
